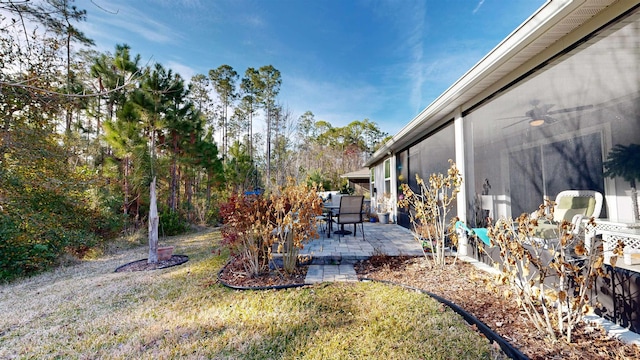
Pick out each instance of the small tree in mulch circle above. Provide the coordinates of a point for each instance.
(153, 224)
(428, 212)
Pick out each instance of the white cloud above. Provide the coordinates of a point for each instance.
(194, 4)
(445, 70)
(123, 20)
(253, 20)
(412, 26)
(478, 6)
(336, 102)
(185, 71)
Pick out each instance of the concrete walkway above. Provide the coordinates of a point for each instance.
(332, 258)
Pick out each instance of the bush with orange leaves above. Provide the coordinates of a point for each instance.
(286, 217)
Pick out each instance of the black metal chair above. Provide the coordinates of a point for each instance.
(323, 223)
(350, 213)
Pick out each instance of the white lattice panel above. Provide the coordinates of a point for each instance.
(614, 227)
(610, 241)
(611, 232)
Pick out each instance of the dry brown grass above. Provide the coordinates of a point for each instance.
(88, 311)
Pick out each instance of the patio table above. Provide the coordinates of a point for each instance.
(331, 211)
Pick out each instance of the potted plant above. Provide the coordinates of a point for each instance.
(165, 252)
(345, 189)
(384, 208)
(624, 161)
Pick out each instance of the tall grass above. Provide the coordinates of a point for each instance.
(88, 311)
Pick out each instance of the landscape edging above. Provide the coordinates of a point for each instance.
(186, 258)
(234, 287)
(508, 349)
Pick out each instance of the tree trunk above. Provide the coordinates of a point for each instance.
(68, 104)
(224, 133)
(153, 224)
(98, 114)
(171, 201)
(251, 133)
(268, 180)
(209, 188)
(173, 193)
(634, 201)
(178, 179)
(188, 189)
(125, 170)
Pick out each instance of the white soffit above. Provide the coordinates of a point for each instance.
(549, 24)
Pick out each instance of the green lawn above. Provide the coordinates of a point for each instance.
(88, 311)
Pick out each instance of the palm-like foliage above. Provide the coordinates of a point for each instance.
(624, 161)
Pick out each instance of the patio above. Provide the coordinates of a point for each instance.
(332, 258)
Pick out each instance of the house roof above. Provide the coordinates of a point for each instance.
(358, 174)
(546, 33)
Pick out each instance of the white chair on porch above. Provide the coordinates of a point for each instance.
(573, 206)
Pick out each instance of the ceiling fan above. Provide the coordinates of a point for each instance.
(541, 114)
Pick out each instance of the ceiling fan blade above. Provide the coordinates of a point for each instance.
(546, 107)
(516, 123)
(513, 117)
(542, 112)
(565, 110)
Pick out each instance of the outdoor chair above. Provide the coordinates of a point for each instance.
(323, 221)
(350, 213)
(572, 206)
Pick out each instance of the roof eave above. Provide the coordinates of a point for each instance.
(543, 21)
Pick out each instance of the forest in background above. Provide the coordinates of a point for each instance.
(83, 133)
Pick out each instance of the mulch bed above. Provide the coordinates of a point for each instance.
(235, 275)
(465, 286)
(143, 265)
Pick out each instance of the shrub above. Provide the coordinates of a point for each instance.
(549, 279)
(171, 223)
(385, 204)
(428, 210)
(39, 226)
(346, 189)
(253, 224)
(296, 209)
(318, 179)
(247, 230)
(213, 216)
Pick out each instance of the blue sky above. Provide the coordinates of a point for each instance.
(343, 60)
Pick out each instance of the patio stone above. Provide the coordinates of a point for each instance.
(332, 258)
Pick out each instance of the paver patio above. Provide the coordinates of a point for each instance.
(332, 258)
